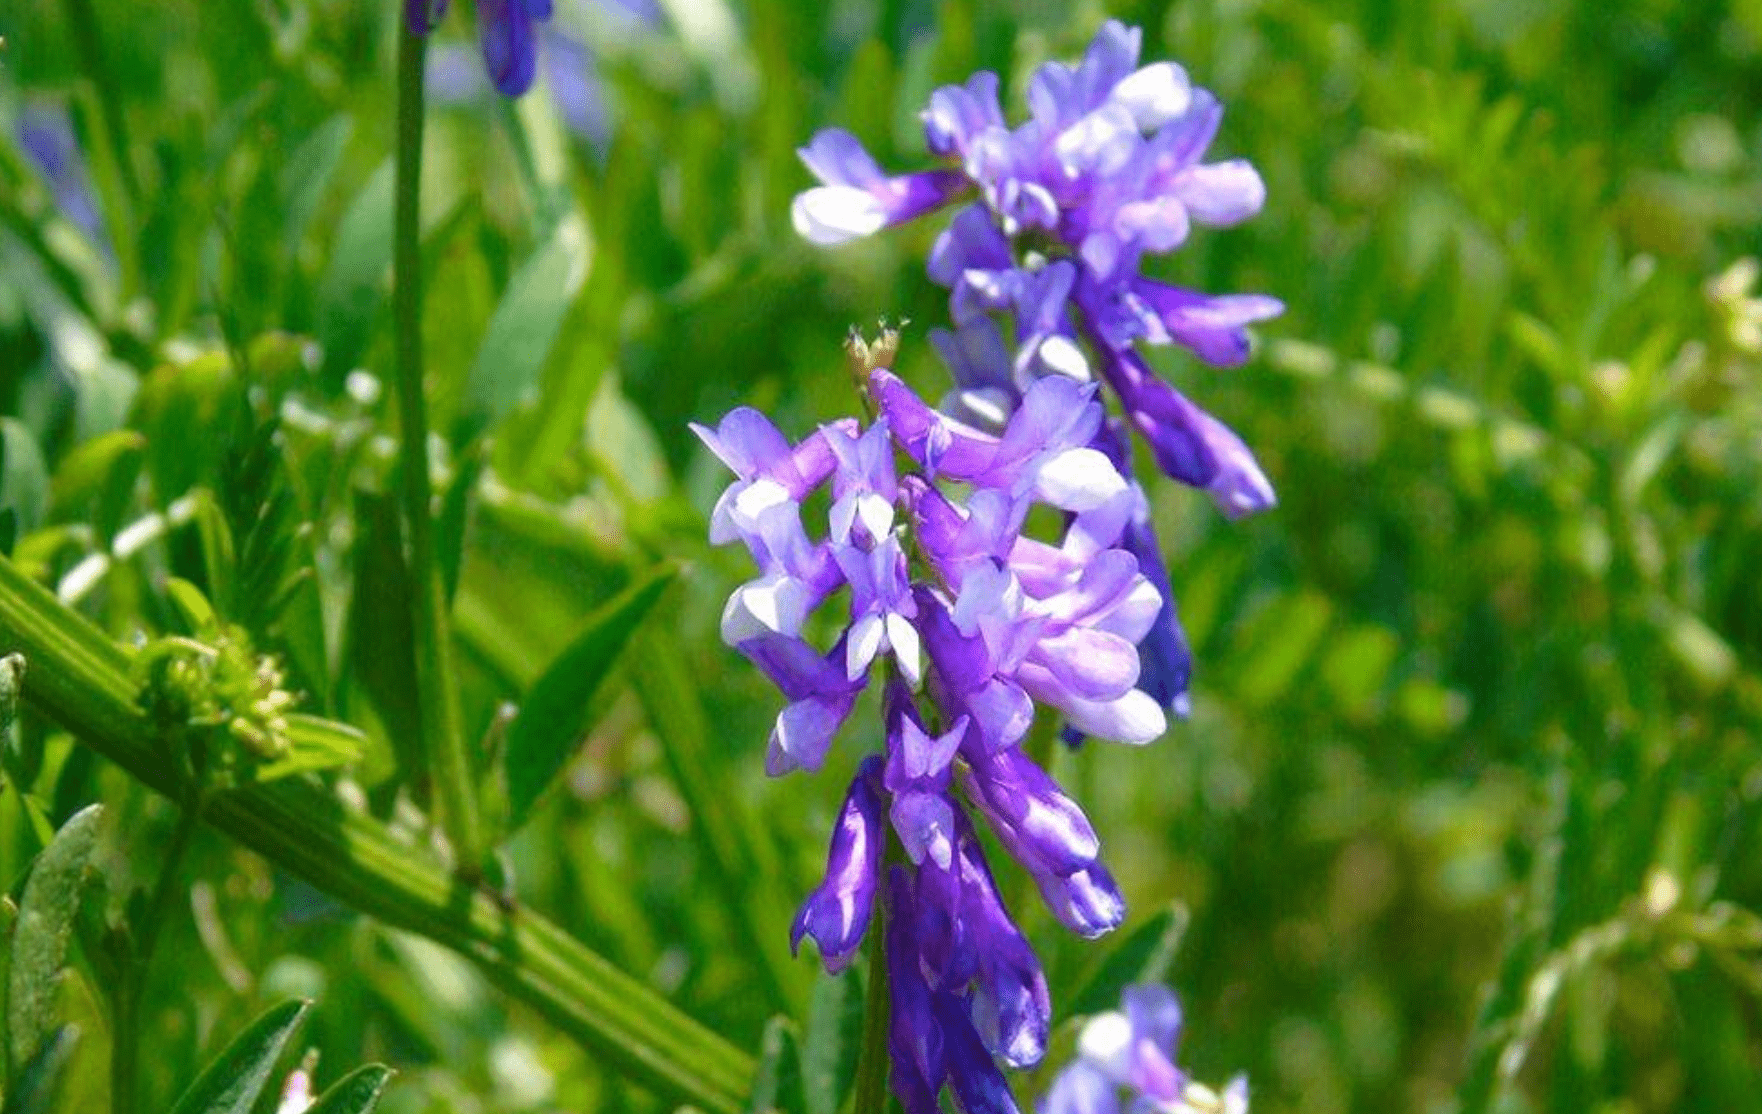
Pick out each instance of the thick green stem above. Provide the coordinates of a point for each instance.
(869, 1095)
(79, 678)
(449, 762)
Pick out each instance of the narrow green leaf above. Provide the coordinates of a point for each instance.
(355, 1093)
(38, 1083)
(832, 1041)
(1143, 956)
(381, 654)
(354, 284)
(554, 716)
(97, 478)
(450, 526)
(231, 1084)
(308, 174)
(524, 328)
(192, 606)
(24, 480)
(777, 1087)
(45, 921)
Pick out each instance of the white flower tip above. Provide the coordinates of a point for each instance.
(830, 215)
(1061, 354)
(1106, 1042)
(1078, 480)
(1155, 94)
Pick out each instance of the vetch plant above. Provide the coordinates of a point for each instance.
(982, 622)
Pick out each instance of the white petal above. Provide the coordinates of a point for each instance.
(876, 514)
(1134, 718)
(1078, 480)
(1155, 95)
(1106, 1043)
(770, 605)
(754, 500)
(863, 643)
(1061, 354)
(837, 214)
(903, 638)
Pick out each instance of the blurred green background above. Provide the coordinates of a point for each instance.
(1467, 814)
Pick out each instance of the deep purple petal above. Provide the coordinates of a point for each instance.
(837, 913)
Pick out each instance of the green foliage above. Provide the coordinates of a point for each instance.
(1464, 814)
(231, 1084)
(555, 712)
(38, 945)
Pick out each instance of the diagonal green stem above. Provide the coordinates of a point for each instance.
(79, 678)
(448, 760)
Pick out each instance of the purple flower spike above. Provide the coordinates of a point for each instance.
(881, 607)
(1080, 1089)
(1043, 829)
(1011, 1007)
(1088, 901)
(959, 114)
(917, 777)
(979, 1087)
(855, 199)
(837, 914)
(864, 487)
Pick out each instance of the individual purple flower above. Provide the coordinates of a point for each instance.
(1188, 443)
(837, 914)
(1131, 1052)
(507, 33)
(855, 198)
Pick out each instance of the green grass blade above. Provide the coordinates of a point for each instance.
(232, 1083)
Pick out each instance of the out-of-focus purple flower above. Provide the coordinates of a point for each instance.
(1131, 1052)
(837, 914)
(507, 33)
(46, 136)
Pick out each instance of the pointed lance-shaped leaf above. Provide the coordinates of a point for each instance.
(555, 713)
(232, 1083)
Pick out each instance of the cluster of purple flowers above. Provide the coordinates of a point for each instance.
(978, 621)
(1059, 213)
(508, 30)
(926, 544)
(1131, 1051)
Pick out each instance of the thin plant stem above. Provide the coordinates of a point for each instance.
(126, 997)
(448, 760)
